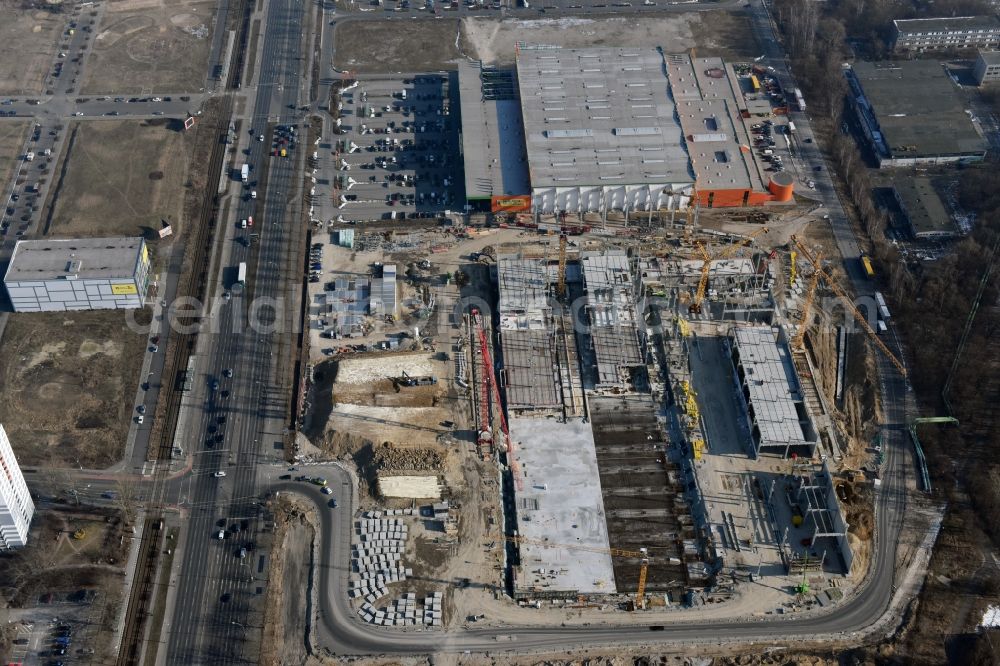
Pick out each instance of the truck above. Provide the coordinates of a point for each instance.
(245, 173)
(866, 264)
(29, 157)
(883, 309)
(800, 101)
(791, 127)
(241, 274)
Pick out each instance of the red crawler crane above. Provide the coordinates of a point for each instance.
(490, 386)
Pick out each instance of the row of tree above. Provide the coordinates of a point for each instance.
(931, 302)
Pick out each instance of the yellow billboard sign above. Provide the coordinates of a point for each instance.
(145, 253)
(124, 289)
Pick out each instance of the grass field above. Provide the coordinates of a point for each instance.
(147, 47)
(121, 178)
(371, 47)
(30, 38)
(12, 136)
(66, 386)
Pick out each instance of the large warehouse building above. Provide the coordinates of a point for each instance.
(599, 129)
(78, 274)
(912, 113)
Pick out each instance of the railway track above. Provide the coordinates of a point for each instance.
(143, 585)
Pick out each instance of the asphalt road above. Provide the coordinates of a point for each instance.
(343, 633)
(217, 602)
(215, 606)
(393, 9)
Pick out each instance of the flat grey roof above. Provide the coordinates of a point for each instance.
(708, 106)
(492, 139)
(531, 381)
(599, 117)
(770, 378)
(990, 57)
(348, 303)
(608, 281)
(523, 302)
(923, 206)
(84, 258)
(955, 24)
(561, 503)
(919, 110)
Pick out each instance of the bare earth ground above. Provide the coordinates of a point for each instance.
(121, 179)
(493, 41)
(147, 46)
(291, 557)
(30, 38)
(366, 405)
(12, 136)
(66, 385)
(365, 47)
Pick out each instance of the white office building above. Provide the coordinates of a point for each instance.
(78, 274)
(16, 507)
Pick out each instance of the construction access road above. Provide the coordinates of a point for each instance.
(343, 633)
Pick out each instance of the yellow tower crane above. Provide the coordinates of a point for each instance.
(692, 212)
(642, 553)
(849, 303)
(707, 259)
(800, 337)
(562, 266)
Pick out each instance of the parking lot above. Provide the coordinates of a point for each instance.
(25, 200)
(397, 158)
(61, 633)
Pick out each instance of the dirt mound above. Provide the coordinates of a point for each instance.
(390, 458)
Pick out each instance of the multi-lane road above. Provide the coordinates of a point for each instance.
(243, 415)
(343, 633)
(238, 426)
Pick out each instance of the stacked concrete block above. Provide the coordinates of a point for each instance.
(406, 611)
(433, 615)
(377, 555)
(377, 562)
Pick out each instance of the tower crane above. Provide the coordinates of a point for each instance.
(707, 259)
(561, 291)
(691, 212)
(849, 303)
(800, 337)
(642, 553)
(489, 387)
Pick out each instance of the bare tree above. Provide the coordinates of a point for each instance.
(127, 498)
(63, 483)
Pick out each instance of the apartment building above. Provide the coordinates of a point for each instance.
(16, 507)
(946, 34)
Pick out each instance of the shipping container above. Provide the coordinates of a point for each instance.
(241, 275)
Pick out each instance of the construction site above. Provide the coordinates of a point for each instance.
(633, 418)
(661, 432)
